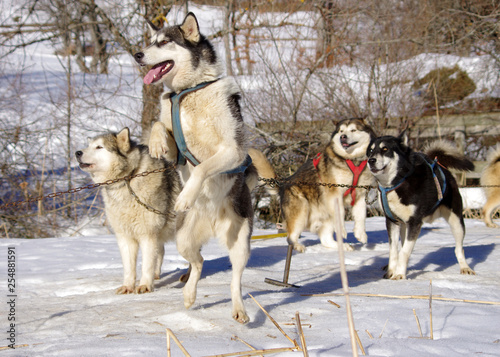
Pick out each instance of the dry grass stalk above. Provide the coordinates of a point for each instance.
(170, 334)
(430, 308)
(15, 346)
(301, 335)
(418, 323)
(245, 343)
(408, 297)
(358, 340)
(331, 302)
(343, 277)
(257, 352)
(383, 328)
(369, 334)
(274, 322)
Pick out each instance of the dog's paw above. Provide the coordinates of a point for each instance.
(467, 271)
(299, 247)
(124, 290)
(143, 289)
(158, 148)
(189, 297)
(184, 201)
(361, 237)
(241, 316)
(398, 277)
(348, 247)
(492, 225)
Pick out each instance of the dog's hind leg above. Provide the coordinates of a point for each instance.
(190, 238)
(296, 221)
(489, 209)
(128, 251)
(239, 252)
(457, 226)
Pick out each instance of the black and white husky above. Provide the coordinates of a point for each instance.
(201, 128)
(415, 187)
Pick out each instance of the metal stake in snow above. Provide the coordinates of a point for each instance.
(343, 277)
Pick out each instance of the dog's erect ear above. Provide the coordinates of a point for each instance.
(190, 28)
(152, 28)
(123, 140)
(403, 138)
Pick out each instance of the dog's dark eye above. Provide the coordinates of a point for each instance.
(163, 43)
(98, 147)
(384, 149)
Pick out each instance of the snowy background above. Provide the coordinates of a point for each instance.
(65, 302)
(66, 305)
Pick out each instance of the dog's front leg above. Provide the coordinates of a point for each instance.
(161, 143)
(359, 214)
(408, 239)
(149, 259)
(128, 251)
(393, 230)
(223, 160)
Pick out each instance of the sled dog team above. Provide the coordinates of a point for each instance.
(208, 172)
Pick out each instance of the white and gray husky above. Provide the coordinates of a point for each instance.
(415, 187)
(139, 210)
(201, 128)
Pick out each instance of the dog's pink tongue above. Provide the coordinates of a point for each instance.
(153, 72)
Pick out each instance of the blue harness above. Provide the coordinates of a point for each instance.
(183, 152)
(440, 190)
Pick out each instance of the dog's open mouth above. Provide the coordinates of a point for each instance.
(84, 165)
(347, 145)
(158, 71)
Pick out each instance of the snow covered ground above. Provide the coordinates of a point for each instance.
(65, 303)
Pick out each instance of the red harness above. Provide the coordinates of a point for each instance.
(356, 171)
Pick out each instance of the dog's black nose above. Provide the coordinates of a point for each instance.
(372, 161)
(139, 56)
(78, 153)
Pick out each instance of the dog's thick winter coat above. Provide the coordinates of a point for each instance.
(414, 188)
(307, 204)
(490, 178)
(113, 156)
(216, 204)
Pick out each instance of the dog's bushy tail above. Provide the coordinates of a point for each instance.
(494, 155)
(264, 168)
(448, 155)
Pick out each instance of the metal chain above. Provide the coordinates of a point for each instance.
(272, 182)
(87, 187)
(149, 208)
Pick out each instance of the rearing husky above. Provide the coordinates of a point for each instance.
(201, 122)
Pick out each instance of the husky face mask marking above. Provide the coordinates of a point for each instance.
(175, 51)
(383, 161)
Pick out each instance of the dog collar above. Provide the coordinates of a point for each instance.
(183, 152)
(383, 196)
